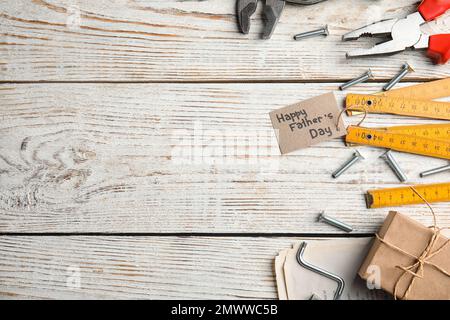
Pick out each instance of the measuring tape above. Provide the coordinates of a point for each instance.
(405, 195)
(383, 138)
(413, 101)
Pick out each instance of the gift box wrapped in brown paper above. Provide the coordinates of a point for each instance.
(407, 261)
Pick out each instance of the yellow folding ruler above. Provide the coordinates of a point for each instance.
(428, 140)
(393, 197)
(433, 131)
(413, 101)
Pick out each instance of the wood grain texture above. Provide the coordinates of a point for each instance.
(171, 156)
(139, 267)
(127, 267)
(169, 40)
(181, 158)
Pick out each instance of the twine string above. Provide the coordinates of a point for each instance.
(416, 270)
(352, 108)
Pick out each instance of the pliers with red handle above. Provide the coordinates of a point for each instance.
(406, 33)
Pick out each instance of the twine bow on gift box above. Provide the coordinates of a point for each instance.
(423, 259)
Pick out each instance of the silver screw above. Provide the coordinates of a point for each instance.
(366, 76)
(406, 69)
(319, 32)
(435, 171)
(334, 222)
(390, 160)
(356, 157)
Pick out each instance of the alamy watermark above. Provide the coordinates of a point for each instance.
(203, 146)
(73, 20)
(374, 277)
(73, 277)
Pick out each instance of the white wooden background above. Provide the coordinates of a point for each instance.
(136, 147)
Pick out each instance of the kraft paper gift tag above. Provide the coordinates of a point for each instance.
(308, 122)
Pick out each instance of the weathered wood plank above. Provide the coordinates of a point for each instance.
(179, 158)
(139, 267)
(171, 40)
(125, 267)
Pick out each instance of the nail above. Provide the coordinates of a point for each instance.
(334, 222)
(406, 69)
(319, 32)
(390, 160)
(366, 76)
(435, 171)
(356, 157)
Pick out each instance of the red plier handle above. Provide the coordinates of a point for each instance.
(439, 48)
(439, 45)
(431, 9)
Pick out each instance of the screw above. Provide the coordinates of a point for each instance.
(334, 222)
(406, 69)
(356, 157)
(389, 158)
(366, 76)
(435, 171)
(319, 32)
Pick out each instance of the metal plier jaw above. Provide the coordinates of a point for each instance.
(406, 33)
(272, 12)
